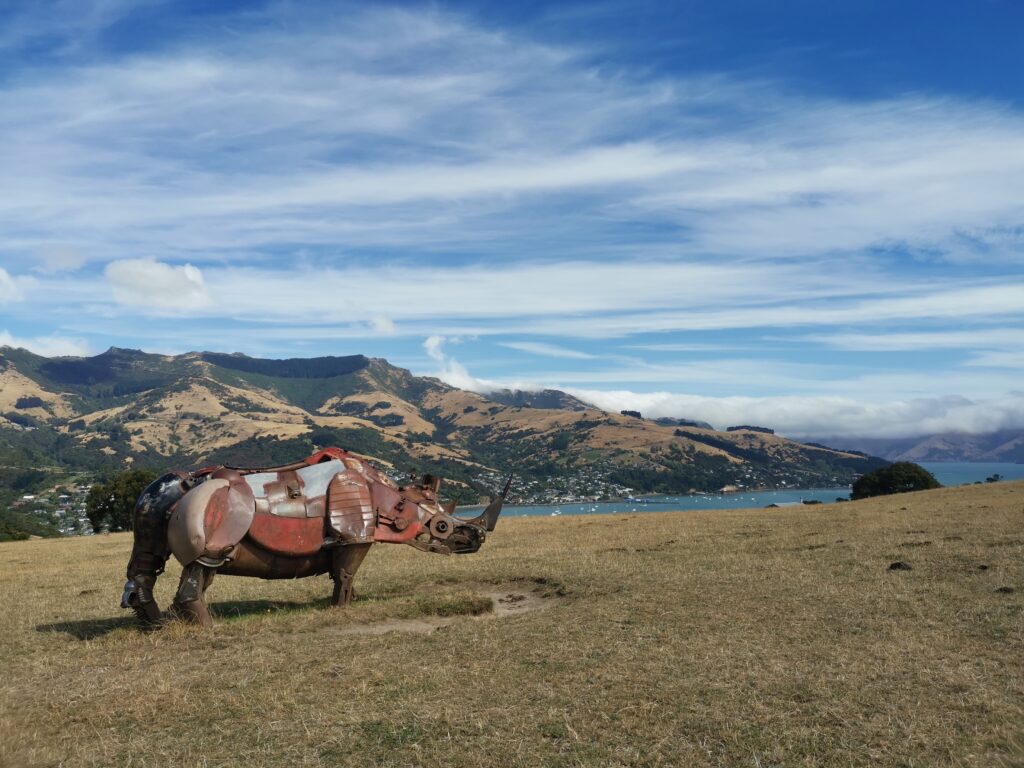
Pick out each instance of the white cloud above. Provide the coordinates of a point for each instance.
(60, 258)
(434, 347)
(9, 290)
(382, 325)
(48, 346)
(150, 284)
(452, 371)
(547, 350)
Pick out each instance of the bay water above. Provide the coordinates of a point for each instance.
(949, 474)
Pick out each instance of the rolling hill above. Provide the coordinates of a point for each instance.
(125, 406)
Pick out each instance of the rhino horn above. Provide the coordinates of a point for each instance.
(490, 515)
(488, 519)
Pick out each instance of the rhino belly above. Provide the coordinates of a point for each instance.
(250, 559)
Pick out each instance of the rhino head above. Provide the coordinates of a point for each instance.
(442, 531)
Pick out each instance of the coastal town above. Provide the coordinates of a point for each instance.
(61, 508)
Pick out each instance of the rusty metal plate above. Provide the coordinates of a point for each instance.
(296, 536)
(385, 533)
(228, 516)
(186, 530)
(350, 508)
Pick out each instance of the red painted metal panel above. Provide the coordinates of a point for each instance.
(299, 536)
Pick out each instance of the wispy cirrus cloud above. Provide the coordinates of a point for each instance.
(354, 131)
(909, 341)
(547, 350)
(584, 299)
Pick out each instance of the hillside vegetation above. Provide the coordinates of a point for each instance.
(728, 638)
(126, 406)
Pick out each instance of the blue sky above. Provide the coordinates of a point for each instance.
(801, 214)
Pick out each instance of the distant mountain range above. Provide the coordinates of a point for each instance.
(1003, 446)
(98, 414)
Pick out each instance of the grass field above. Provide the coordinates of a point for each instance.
(746, 638)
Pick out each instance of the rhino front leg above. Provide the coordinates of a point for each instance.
(190, 601)
(345, 561)
(138, 595)
(149, 547)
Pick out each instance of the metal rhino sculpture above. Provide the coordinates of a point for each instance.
(318, 515)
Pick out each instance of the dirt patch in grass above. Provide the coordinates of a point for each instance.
(488, 603)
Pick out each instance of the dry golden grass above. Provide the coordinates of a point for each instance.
(414, 421)
(14, 386)
(746, 638)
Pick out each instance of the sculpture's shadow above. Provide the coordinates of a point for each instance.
(226, 611)
(230, 610)
(89, 629)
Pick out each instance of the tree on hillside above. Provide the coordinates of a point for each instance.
(901, 477)
(109, 505)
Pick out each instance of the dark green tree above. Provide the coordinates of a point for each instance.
(109, 505)
(901, 477)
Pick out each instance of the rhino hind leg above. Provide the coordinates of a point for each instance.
(190, 601)
(345, 562)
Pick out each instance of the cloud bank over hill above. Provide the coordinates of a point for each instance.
(816, 416)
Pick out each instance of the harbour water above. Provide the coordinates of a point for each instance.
(946, 473)
(958, 473)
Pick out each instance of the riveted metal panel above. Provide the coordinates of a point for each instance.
(398, 519)
(286, 495)
(350, 509)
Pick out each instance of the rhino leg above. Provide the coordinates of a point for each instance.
(190, 601)
(345, 561)
(149, 548)
(138, 595)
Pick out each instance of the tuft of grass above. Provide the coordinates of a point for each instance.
(459, 604)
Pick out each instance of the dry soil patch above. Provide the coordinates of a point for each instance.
(506, 601)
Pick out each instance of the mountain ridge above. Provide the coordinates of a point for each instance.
(1000, 446)
(132, 407)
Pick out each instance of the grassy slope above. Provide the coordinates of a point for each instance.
(758, 637)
